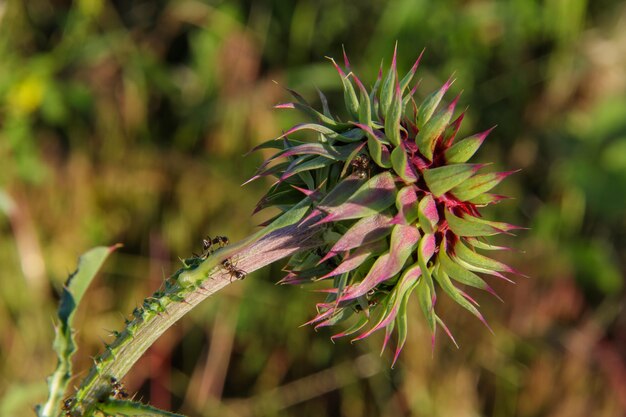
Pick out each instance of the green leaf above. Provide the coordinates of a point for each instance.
(401, 166)
(334, 152)
(458, 273)
(463, 150)
(425, 251)
(392, 118)
(473, 226)
(373, 197)
(376, 86)
(406, 204)
(403, 241)
(442, 179)
(387, 90)
(349, 95)
(444, 281)
(363, 232)
(430, 103)
(318, 162)
(478, 260)
(375, 148)
(349, 159)
(426, 138)
(404, 83)
(426, 303)
(478, 184)
(365, 108)
(310, 111)
(281, 197)
(428, 214)
(486, 199)
(64, 345)
(276, 144)
(353, 135)
(483, 245)
(361, 321)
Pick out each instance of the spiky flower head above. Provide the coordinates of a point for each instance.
(397, 199)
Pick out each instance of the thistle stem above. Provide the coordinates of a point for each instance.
(140, 333)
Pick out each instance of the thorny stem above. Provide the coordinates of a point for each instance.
(122, 354)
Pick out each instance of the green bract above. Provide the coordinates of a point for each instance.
(398, 201)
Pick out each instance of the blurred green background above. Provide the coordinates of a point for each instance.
(126, 121)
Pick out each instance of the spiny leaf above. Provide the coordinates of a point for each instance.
(286, 197)
(472, 226)
(308, 110)
(366, 230)
(350, 158)
(476, 259)
(442, 179)
(365, 109)
(409, 76)
(353, 135)
(450, 133)
(403, 242)
(425, 299)
(372, 197)
(358, 325)
(459, 273)
(337, 153)
(302, 260)
(481, 270)
(430, 103)
(324, 102)
(275, 170)
(310, 164)
(406, 205)
(401, 319)
(64, 345)
(392, 117)
(292, 216)
(486, 199)
(387, 90)
(445, 329)
(402, 288)
(463, 150)
(454, 293)
(340, 315)
(428, 214)
(478, 184)
(373, 97)
(386, 317)
(356, 259)
(483, 245)
(341, 192)
(425, 251)
(401, 166)
(349, 95)
(276, 144)
(376, 148)
(426, 138)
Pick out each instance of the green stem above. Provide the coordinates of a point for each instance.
(165, 308)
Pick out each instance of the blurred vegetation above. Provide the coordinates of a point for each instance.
(126, 121)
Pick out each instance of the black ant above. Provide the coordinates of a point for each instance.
(117, 389)
(233, 270)
(67, 405)
(208, 243)
(360, 166)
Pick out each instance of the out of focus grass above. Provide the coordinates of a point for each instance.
(126, 121)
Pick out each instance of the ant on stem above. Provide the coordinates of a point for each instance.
(233, 270)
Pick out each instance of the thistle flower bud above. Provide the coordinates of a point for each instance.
(399, 202)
